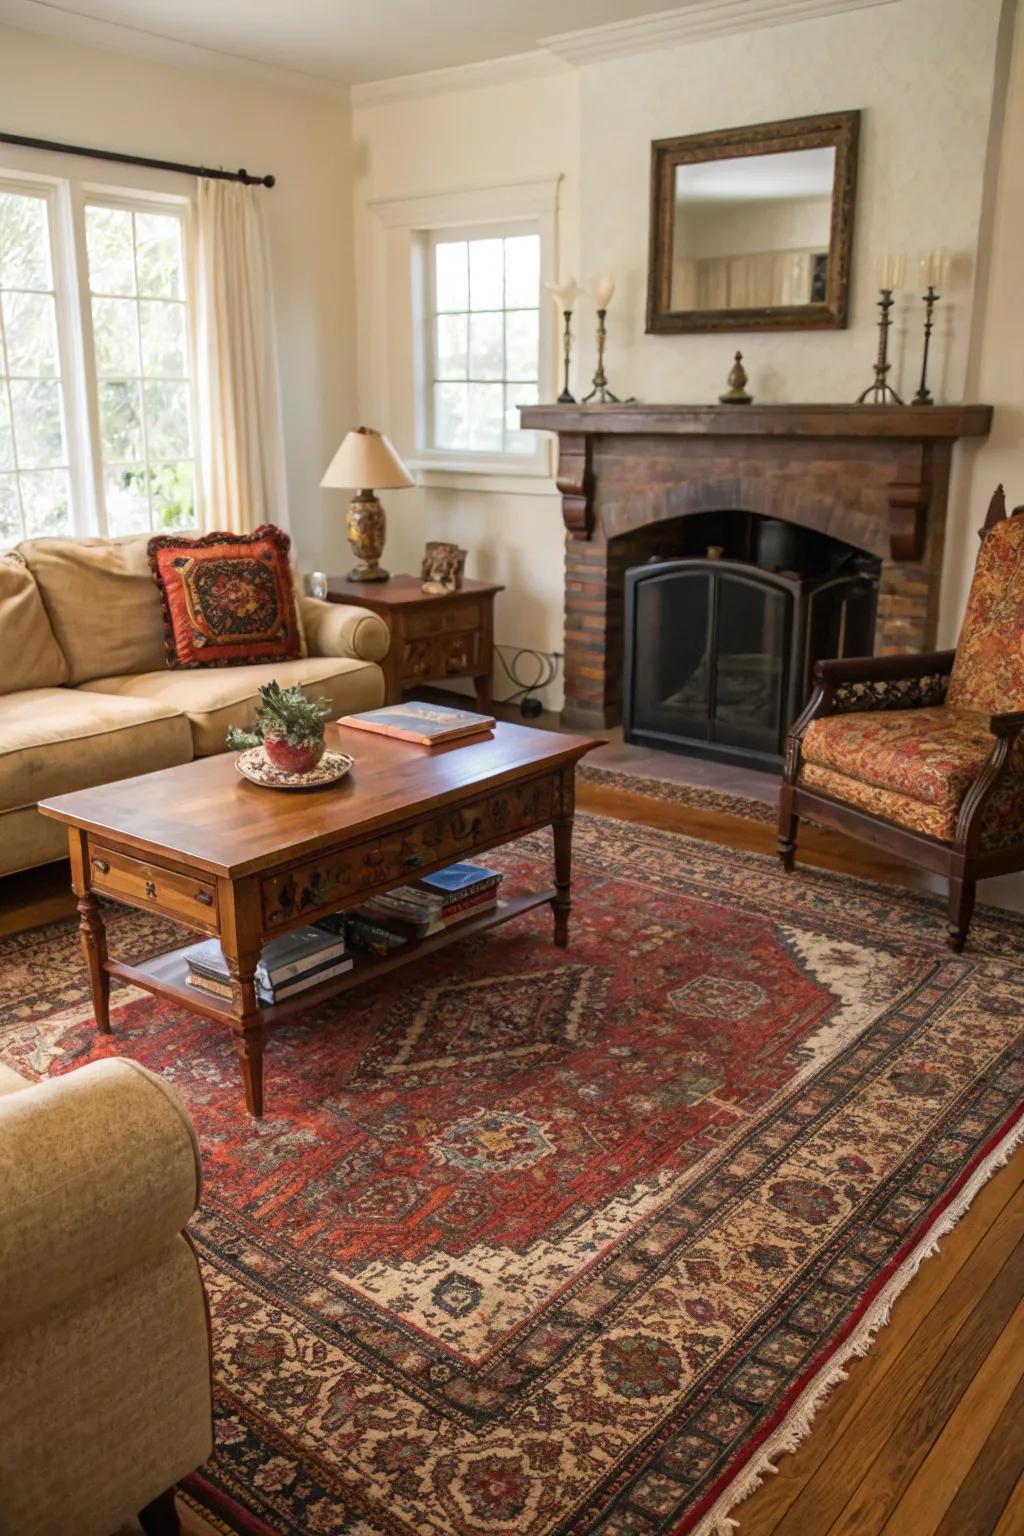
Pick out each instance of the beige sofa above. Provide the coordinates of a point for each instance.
(105, 1394)
(86, 697)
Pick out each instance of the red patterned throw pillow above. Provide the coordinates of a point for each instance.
(228, 598)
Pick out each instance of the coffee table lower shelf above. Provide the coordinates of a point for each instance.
(166, 974)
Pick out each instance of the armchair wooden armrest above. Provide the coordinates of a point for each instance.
(1008, 724)
(885, 669)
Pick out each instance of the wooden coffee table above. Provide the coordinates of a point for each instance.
(200, 844)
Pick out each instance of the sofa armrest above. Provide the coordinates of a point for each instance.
(99, 1169)
(343, 629)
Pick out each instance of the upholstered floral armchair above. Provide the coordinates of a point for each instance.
(920, 754)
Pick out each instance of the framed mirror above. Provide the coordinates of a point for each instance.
(751, 228)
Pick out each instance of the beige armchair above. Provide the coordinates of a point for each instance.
(105, 1396)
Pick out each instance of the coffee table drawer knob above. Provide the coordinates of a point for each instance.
(102, 866)
(204, 898)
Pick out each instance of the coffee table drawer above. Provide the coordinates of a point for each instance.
(147, 885)
(443, 837)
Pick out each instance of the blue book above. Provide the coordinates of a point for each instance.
(460, 879)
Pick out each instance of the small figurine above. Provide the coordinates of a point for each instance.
(736, 394)
(442, 568)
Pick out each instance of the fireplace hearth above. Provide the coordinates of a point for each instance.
(631, 477)
(720, 639)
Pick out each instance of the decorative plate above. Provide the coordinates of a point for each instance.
(253, 764)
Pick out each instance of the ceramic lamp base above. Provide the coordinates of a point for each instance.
(366, 526)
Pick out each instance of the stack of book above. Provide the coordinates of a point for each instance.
(431, 905)
(297, 960)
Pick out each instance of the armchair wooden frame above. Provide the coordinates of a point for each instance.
(962, 860)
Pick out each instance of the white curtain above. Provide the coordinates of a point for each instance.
(240, 425)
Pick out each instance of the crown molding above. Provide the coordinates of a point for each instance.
(469, 205)
(113, 37)
(691, 24)
(515, 67)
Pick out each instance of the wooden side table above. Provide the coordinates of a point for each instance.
(432, 637)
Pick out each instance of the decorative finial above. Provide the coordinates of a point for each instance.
(736, 394)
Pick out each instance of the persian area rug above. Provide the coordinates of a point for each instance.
(697, 796)
(557, 1243)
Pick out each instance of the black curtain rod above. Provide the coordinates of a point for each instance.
(155, 165)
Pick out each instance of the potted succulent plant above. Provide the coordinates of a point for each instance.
(289, 727)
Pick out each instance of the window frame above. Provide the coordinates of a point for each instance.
(66, 197)
(482, 461)
(87, 194)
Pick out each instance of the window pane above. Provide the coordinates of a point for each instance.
(163, 340)
(121, 421)
(115, 334)
(516, 440)
(486, 409)
(10, 516)
(451, 277)
(485, 274)
(486, 358)
(451, 415)
(125, 496)
(450, 361)
(167, 424)
(521, 338)
(30, 330)
(522, 272)
(108, 237)
(24, 242)
(46, 500)
(174, 498)
(158, 255)
(38, 423)
(6, 434)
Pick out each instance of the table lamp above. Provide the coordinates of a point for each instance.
(366, 458)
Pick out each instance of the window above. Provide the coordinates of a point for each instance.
(484, 344)
(136, 265)
(35, 482)
(96, 397)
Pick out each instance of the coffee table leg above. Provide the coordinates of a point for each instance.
(92, 933)
(562, 902)
(249, 1038)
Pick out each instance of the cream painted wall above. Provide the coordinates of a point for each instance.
(435, 144)
(56, 90)
(996, 366)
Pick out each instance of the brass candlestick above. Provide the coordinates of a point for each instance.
(600, 390)
(737, 393)
(881, 391)
(567, 397)
(924, 394)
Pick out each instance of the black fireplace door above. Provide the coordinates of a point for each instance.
(708, 657)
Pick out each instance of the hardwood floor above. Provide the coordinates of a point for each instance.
(926, 1436)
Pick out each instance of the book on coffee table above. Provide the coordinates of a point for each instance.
(428, 725)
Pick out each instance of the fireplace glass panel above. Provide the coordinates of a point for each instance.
(673, 629)
(752, 635)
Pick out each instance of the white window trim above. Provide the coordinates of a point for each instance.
(66, 195)
(533, 204)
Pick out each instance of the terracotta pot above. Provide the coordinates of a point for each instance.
(291, 759)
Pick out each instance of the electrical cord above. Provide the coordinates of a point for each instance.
(546, 669)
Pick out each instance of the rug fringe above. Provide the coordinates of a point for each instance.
(799, 1421)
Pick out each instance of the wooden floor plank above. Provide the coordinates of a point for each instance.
(1011, 1521)
(978, 1508)
(953, 1454)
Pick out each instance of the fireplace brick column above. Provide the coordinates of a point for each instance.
(876, 477)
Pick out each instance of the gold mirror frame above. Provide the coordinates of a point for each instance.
(833, 130)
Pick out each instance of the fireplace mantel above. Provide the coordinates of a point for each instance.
(876, 477)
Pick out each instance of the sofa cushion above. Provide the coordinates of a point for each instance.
(11, 1081)
(228, 598)
(216, 698)
(102, 603)
(28, 839)
(56, 739)
(31, 656)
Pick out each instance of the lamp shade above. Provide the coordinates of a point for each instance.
(366, 461)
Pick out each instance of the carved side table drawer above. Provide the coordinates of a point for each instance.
(433, 636)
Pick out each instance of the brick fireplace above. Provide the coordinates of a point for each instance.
(875, 477)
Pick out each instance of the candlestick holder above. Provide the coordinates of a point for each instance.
(881, 391)
(600, 391)
(567, 397)
(924, 394)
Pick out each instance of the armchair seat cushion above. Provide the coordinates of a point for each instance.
(912, 767)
